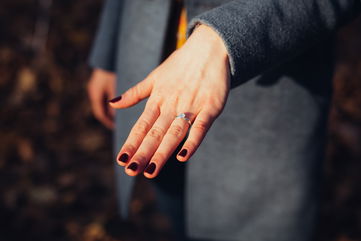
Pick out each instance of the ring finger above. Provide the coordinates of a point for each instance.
(175, 134)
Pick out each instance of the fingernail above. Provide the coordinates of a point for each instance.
(133, 166)
(150, 168)
(123, 158)
(183, 153)
(115, 99)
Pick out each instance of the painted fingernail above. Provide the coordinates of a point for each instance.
(150, 168)
(123, 158)
(183, 153)
(133, 166)
(115, 99)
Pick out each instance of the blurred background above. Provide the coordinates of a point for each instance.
(56, 165)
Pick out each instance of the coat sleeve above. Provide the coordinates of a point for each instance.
(103, 53)
(260, 34)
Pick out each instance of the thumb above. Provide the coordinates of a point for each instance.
(133, 95)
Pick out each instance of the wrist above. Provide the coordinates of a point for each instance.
(205, 38)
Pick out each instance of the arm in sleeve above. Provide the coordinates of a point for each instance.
(260, 34)
(103, 52)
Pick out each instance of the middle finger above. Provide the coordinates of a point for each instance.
(137, 134)
(175, 134)
(149, 144)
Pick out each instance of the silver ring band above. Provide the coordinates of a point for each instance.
(184, 117)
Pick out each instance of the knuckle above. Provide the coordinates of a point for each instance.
(212, 102)
(213, 105)
(129, 148)
(156, 133)
(176, 131)
(157, 97)
(151, 109)
(141, 128)
(212, 110)
(201, 125)
(214, 113)
(160, 157)
(135, 92)
(190, 145)
(140, 158)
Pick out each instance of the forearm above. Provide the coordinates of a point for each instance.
(259, 34)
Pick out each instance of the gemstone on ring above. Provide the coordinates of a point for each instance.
(184, 117)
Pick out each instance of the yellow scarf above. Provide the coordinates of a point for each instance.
(182, 29)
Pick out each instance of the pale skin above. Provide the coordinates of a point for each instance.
(194, 80)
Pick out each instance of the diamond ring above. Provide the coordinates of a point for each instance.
(184, 117)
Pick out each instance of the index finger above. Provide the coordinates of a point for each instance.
(137, 133)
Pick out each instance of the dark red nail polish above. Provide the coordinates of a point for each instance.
(150, 168)
(123, 158)
(115, 99)
(133, 166)
(183, 153)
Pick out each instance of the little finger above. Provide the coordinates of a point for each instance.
(196, 135)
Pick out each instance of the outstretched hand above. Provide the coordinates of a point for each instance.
(194, 80)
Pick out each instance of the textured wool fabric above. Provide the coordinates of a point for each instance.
(260, 34)
(104, 57)
(256, 176)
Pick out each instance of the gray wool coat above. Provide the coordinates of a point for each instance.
(256, 176)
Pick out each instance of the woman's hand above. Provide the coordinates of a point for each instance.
(194, 80)
(101, 87)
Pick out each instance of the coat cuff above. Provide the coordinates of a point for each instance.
(261, 34)
(224, 27)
